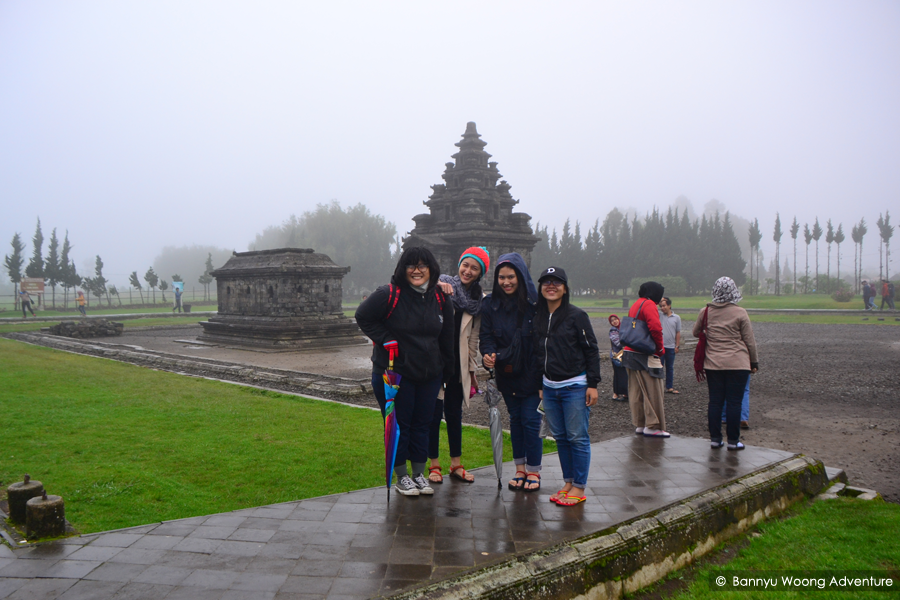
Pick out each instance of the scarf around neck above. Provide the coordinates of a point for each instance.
(463, 299)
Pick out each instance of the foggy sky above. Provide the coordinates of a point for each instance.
(140, 125)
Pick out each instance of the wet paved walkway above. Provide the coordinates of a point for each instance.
(356, 545)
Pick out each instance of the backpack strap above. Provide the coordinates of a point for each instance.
(440, 299)
(393, 299)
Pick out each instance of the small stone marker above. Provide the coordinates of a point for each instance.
(19, 494)
(46, 517)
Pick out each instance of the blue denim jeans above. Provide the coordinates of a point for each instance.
(745, 404)
(525, 430)
(414, 406)
(725, 388)
(669, 361)
(568, 418)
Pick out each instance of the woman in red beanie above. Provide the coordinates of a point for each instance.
(465, 294)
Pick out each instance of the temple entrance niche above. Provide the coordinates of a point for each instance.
(473, 207)
(288, 298)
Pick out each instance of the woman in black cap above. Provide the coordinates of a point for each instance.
(569, 366)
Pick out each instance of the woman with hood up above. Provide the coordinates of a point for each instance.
(645, 371)
(569, 368)
(465, 293)
(730, 359)
(510, 308)
(413, 319)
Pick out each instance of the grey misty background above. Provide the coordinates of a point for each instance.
(153, 131)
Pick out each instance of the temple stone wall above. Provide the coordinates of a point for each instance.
(280, 296)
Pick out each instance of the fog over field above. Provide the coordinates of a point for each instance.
(141, 125)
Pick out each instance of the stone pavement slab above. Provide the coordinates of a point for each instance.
(357, 545)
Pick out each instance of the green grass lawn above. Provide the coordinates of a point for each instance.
(833, 535)
(94, 311)
(126, 446)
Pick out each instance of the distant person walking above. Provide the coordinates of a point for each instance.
(730, 359)
(412, 319)
(868, 295)
(178, 292)
(25, 299)
(465, 293)
(80, 301)
(645, 371)
(510, 309)
(620, 375)
(887, 294)
(671, 326)
(568, 361)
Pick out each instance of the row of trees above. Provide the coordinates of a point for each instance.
(58, 269)
(620, 249)
(832, 236)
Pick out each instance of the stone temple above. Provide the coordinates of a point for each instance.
(289, 298)
(473, 207)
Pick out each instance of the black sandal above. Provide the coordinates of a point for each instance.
(520, 482)
(532, 481)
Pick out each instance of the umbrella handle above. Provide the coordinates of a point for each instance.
(491, 371)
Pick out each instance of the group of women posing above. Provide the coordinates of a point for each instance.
(543, 353)
(541, 349)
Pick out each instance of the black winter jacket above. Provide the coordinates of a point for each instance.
(422, 326)
(570, 348)
(499, 321)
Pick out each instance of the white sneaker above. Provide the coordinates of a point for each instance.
(639, 431)
(406, 487)
(422, 485)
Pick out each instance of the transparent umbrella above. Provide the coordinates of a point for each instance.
(493, 397)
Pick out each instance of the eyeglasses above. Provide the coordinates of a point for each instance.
(552, 283)
(419, 267)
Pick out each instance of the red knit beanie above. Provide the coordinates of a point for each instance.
(480, 254)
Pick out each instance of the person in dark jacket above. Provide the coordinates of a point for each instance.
(645, 371)
(412, 318)
(569, 367)
(620, 376)
(511, 307)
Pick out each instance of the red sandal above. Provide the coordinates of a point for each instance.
(555, 499)
(532, 481)
(577, 499)
(435, 471)
(454, 473)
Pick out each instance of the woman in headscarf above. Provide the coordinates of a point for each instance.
(730, 359)
(645, 371)
(510, 308)
(412, 320)
(620, 376)
(465, 293)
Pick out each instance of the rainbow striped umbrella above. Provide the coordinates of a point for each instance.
(391, 427)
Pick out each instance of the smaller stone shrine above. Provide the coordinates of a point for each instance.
(289, 298)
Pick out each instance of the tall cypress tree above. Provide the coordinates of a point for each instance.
(13, 264)
(52, 270)
(795, 228)
(816, 234)
(776, 237)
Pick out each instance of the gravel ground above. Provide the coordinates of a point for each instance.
(828, 391)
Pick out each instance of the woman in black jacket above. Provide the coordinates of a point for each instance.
(414, 319)
(511, 307)
(569, 365)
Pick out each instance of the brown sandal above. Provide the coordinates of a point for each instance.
(455, 473)
(435, 471)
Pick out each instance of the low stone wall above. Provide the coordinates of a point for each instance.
(88, 328)
(633, 555)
